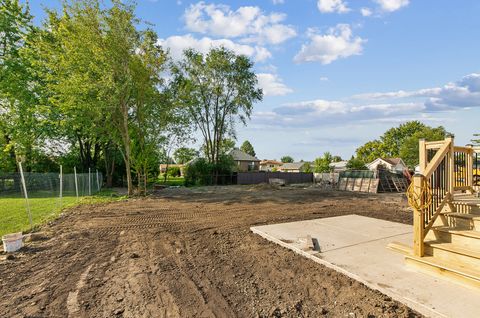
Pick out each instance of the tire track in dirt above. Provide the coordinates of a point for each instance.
(73, 306)
(191, 254)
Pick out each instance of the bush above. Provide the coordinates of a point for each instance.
(202, 172)
(174, 172)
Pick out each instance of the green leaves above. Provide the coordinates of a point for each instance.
(401, 141)
(216, 91)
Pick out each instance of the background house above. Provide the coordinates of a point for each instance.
(338, 166)
(269, 165)
(294, 167)
(163, 167)
(392, 164)
(244, 161)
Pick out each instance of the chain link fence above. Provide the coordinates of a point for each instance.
(27, 199)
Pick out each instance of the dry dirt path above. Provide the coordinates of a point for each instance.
(189, 253)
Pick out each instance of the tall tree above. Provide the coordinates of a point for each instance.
(19, 88)
(184, 154)
(105, 77)
(247, 148)
(286, 159)
(401, 141)
(216, 90)
(322, 164)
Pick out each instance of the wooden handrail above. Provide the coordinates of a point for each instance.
(437, 159)
(467, 150)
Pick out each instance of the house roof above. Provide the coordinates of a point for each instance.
(393, 161)
(271, 162)
(390, 161)
(339, 164)
(292, 165)
(239, 155)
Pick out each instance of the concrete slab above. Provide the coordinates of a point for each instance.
(357, 247)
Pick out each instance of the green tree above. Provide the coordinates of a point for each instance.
(476, 141)
(371, 151)
(184, 154)
(399, 142)
(307, 167)
(286, 159)
(247, 148)
(356, 164)
(20, 91)
(322, 164)
(216, 90)
(336, 159)
(106, 83)
(409, 151)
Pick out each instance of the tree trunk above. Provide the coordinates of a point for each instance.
(126, 144)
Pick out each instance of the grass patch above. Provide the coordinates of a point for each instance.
(14, 217)
(171, 181)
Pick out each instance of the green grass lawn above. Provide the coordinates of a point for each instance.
(171, 181)
(14, 217)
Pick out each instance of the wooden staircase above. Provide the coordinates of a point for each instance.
(446, 221)
(452, 246)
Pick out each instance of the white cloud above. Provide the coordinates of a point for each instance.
(423, 104)
(392, 5)
(278, 1)
(366, 12)
(330, 6)
(324, 78)
(248, 23)
(177, 44)
(337, 43)
(461, 94)
(272, 85)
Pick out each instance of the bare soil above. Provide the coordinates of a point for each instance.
(190, 253)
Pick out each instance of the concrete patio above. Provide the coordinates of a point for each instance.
(357, 247)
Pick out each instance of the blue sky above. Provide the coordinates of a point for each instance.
(337, 73)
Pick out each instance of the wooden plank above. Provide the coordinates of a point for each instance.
(365, 185)
(374, 185)
(357, 184)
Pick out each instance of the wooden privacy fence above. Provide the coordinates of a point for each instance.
(263, 177)
(444, 168)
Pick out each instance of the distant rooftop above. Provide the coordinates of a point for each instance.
(239, 155)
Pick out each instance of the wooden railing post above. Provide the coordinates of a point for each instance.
(418, 217)
(470, 167)
(423, 155)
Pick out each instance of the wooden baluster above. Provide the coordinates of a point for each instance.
(451, 167)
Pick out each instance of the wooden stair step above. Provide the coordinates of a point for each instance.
(459, 236)
(400, 247)
(468, 220)
(453, 253)
(445, 269)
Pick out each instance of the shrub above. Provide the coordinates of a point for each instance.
(202, 172)
(174, 172)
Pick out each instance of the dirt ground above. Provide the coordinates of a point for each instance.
(190, 253)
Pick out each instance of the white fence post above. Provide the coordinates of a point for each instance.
(89, 183)
(98, 182)
(61, 186)
(26, 195)
(76, 181)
